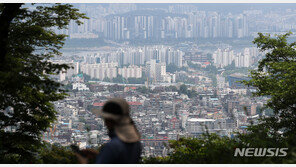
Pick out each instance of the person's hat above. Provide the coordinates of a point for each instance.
(118, 110)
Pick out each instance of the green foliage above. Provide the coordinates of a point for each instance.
(214, 149)
(26, 88)
(229, 70)
(194, 66)
(230, 66)
(276, 78)
(184, 90)
(86, 78)
(172, 68)
(210, 57)
(107, 80)
(68, 87)
(211, 69)
(136, 80)
(119, 79)
(54, 154)
(206, 149)
(262, 136)
(214, 79)
(171, 89)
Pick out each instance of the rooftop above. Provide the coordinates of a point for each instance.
(200, 120)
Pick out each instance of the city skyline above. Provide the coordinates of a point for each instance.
(130, 22)
(187, 71)
(174, 89)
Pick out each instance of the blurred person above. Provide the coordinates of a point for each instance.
(124, 146)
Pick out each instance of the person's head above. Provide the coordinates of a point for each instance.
(111, 108)
(115, 113)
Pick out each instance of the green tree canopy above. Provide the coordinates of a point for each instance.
(276, 78)
(26, 88)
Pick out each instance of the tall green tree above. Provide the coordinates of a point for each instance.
(276, 78)
(26, 88)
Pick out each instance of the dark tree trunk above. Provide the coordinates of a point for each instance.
(10, 11)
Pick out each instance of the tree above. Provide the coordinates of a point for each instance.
(171, 88)
(107, 79)
(209, 148)
(210, 57)
(194, 66)
(189, 93)
(119, 79)
(183, 89)
(55, 154)
(230, 66)
(276, 78)
(26, 88)
(212, 148)
(213, 78)
(86, 77)
(211, 69)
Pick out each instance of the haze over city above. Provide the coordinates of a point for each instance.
(182, 68)
(176, 64)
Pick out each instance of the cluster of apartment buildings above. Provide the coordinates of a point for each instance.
(178, 21)
(225, 57)
(124, 62)
(161, 114)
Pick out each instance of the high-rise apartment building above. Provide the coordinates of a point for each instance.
(100, 71)
(131, 71)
